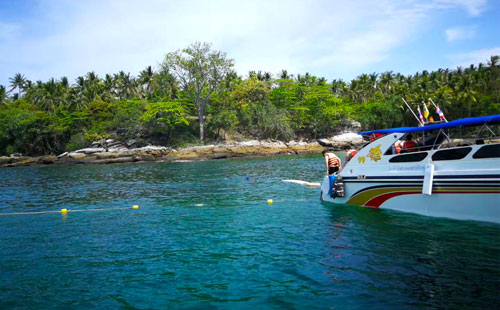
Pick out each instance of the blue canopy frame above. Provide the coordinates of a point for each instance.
(456, 123)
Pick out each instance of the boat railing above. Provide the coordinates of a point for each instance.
(449, 143)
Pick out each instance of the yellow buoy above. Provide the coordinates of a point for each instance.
(199, 205)
(135, 207)
(269, 201)
(64, 211)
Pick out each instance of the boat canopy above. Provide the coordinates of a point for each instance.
(491, 119)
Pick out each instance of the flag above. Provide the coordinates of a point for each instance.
(421, 116)
(440, 113)
(426, 111)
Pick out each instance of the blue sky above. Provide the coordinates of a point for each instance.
(333, 39)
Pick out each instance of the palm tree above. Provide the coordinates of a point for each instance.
(19, 82)
(3, 94)
(285, 76)
(145, 80)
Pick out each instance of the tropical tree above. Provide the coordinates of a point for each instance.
(3, 94)
(199, 71)
(19, 82)
(167, 115)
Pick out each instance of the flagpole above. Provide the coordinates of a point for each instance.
(436, 109)
(412, 111)
(423, 112)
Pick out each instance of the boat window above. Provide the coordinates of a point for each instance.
(410, 157)
(451, 154)
(488, 151)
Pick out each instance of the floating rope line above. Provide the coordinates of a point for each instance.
(65, 211)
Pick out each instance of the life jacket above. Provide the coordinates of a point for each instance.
(375, 136)
(352, 153)
(397, 147)
(409, 146)
(333, 160)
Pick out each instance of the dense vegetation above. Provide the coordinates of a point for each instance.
(162, 106)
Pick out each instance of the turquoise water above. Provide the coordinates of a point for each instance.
(235, 252)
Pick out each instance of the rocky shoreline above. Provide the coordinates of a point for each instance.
(113, 152)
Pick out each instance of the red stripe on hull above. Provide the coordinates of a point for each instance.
(379, 200)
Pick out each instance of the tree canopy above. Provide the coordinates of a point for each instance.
(171, 104)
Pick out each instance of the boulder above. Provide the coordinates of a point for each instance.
(62, 155)
(75, 155)
(91, 150)
(352, 126)
(341, 141)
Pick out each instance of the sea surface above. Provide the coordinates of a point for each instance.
(205, 237)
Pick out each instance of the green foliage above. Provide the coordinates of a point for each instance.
(169, 106)
(222, 120)
(162, 117)
(265, 121)
(200, 72)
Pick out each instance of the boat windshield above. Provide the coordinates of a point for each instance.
(445, 138)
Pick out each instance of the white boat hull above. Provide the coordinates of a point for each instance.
(467, 189)
(458, 201)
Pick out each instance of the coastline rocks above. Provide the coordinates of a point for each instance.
(117, 152)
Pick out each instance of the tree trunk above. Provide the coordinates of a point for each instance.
(202, 121)
(201, 112)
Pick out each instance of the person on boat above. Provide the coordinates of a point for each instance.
(397, 146)
(375, 136)
(409, 145)
(332, 162)
(349, 154)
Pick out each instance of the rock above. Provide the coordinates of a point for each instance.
(106, 155)
(131, 142)
(115, 144)
(250, 143)
(144, 157)
(16, 155)
(91, 150)
(75, 155)
(95, 144)
(62, 155)
(352, 126)
(343, 140)
(25, 162)
(5, 160)
(48, 160)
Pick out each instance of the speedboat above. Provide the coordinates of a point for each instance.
(451, 170)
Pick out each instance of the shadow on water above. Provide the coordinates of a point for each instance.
(412, 260)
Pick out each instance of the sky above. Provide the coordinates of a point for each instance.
(44, 39)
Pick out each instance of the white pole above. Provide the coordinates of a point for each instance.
(420, 123)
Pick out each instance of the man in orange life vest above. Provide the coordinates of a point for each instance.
(409, 145)
(332, 162)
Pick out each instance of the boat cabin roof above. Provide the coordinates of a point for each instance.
(471, 121)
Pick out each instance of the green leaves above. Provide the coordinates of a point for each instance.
(170, 113)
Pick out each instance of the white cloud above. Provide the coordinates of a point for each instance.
(474, 57)
(460, 33)
(473, 7)
(324, 37)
